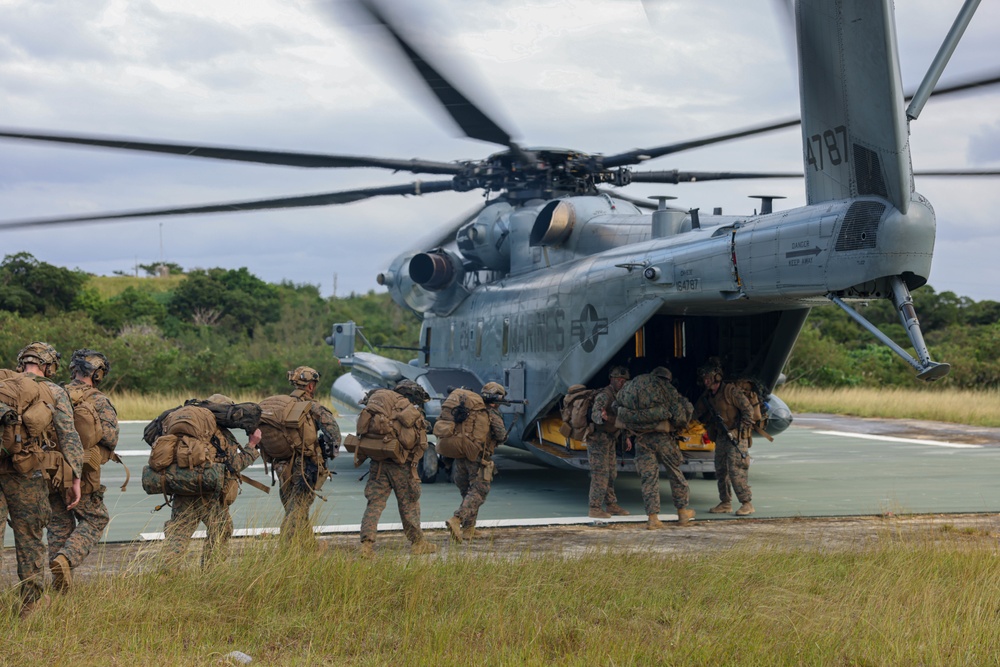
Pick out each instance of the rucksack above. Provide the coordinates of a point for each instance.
(575, 412)
(191, 439)
(754, 392)
(463, 427)
(85, 418)
(286, 427)
(389, 428)
(640, 411)
(27, 422)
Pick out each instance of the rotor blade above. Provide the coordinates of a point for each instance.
(642, 154)
(674, 176)
(286, 158)
(302, 201)
(470, 118)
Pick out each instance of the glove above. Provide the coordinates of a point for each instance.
(734, 435)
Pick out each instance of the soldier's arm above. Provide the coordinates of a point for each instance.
(109, 422)
(69, 439)
(326, 422)
(742, 403)
(239, 458)
(599, 406)
(497, 429)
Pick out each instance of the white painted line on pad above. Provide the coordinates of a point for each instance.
(911, 441)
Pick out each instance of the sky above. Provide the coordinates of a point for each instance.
(601, 76)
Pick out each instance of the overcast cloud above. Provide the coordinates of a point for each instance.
(594, 75)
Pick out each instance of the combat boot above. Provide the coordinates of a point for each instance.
(455, 528)
(367, 550)
(721, 508)
(615, 509)
(598, 513)
(654, 522)
(29, 608)
(62, 573)
(469, 532)
(685, 516)
(422, 547)
(745, 509)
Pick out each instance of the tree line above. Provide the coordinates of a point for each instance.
(227, 329)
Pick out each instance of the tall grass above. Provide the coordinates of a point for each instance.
(978, 408)
(928, 599)
(133, 405)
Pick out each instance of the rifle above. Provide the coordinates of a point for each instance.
(717, 419)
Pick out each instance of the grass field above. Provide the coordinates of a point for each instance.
(977, 408)
(109, 286)
(923, 599)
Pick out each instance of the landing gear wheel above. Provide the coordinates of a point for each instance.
(427, 466)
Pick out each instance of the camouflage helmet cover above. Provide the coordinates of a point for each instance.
(302, 376)
(90, 363)
(710, 369)
(662, 372)
(40, 353)
(619, 372)
(493, 388)
(412, 391)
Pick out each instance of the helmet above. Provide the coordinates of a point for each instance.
(412, 391)
(90, 363)
(711, 369)
(220, 398)
(662, 372)
(302, 376)
(619, 372)
(493, 392)
(39, 353)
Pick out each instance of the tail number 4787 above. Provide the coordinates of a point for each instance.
(830, 147)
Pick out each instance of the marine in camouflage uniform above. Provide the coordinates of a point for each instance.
(27, 495)
(602, 443)
(297, 495)
(658, 444)
(725, 402)
(73, 533)
(475, 478)
(387, 477)
(188, 511)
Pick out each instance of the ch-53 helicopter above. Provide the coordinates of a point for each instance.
(559, 276)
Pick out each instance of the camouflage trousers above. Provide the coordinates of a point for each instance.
(186, 514)
(27, 501)
(732, 467)
(296, 500)
(470, 478)
(3, 522)
(388, 477)
(603, 471)
(651, 449)
(73, 533)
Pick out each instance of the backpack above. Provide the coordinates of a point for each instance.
(286, 427)
(575, 412)
(463, 428)
(641, 411)
(190, 439)
(85, 418)
(389, 428)
(27, 420)
(753, 390)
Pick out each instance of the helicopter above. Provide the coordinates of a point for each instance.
(560, 276)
